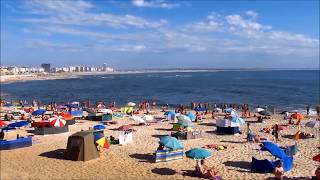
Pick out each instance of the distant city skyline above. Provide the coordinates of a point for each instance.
(161, 34)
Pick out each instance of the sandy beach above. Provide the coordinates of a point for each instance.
(135, 160)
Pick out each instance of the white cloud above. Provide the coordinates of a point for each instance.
(154, 4)
(78, 13)
(252, 14)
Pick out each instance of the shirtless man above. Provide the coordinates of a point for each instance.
(278, 172)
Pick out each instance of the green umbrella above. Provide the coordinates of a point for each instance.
(170, 142)
(198, 153)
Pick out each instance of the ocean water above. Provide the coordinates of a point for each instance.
(290, 89)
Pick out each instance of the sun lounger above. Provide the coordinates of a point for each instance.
(168, 155)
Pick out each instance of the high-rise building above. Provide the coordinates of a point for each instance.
(46, 67)
(104, 67)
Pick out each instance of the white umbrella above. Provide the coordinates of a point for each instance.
(137, 119)
(109, 111)
(147, 118)
(219, 110)
(313, 124)
(131, 104)
(183, 118)
(259, 109)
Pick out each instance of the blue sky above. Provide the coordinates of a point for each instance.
(161, 34)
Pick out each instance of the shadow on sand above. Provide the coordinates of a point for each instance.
(163, 129)
(55, 154)
(143, 157)
(160, 135)
(163, 171)
(245, 165)
(207, 124)
(235, 142)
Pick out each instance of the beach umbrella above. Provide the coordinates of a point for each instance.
(137, 119)
(18, 124)
(183, 118)
(200, 108)
(237, 119)
(131, 104)
(297, 116)
(218, 110)
(38, 112)
(313, 124)
(147, 118)
(259, 109)
(99, 127)
(198, 153)
(316, 158)
(168, 113)
(57, 121)
(2, 124)
(170, 142)
(265, 113)
(109, 111)
(103, 142)
(191, 116)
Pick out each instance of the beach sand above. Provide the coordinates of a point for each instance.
(134, 161)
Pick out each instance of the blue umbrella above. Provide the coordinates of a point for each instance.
(18, 124)
(237, 119)
(198, 153)
(170, 142)
(169, 113)
(38, 112)
(99, 127)
(200, 108)
(274, 149)
(191, 116)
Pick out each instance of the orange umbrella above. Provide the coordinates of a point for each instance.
(297, 116)
(66, 116)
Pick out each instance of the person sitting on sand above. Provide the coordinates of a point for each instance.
(278, 172)
(205, 171)
(161, 147)
(306, 135)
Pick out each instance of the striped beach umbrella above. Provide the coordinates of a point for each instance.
(57, 121)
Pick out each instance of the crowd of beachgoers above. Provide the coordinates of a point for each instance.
(227, 136)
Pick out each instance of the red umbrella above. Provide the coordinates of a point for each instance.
(2, 124)
(316, 158)
(57, 121)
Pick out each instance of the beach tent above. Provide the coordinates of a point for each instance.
(274, 149)
(81, 147)
(297, 116)
(267, 166)
(18, 124)
(313, 124)
(259, 109)
(171, 115)
(265, 113)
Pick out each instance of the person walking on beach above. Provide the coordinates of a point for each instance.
(318, 110)
(308, 110)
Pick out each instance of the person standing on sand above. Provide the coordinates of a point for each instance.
(318, 110)
(308, 110)
(275, 132)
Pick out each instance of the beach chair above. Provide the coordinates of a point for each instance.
(168, 155)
